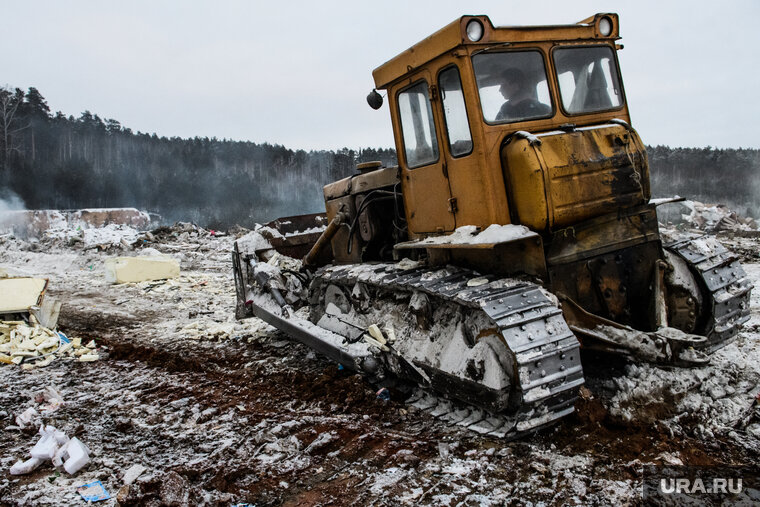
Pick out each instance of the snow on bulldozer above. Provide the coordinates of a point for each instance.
(517, 229)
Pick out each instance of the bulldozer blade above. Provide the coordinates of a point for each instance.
(294, 236)
(666, 345)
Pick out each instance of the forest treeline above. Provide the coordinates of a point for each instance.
(62, 162)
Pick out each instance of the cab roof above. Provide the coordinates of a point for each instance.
(454, 35)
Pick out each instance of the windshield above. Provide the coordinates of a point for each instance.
(512, 86)
(588, 79)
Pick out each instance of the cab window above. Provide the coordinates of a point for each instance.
(454, 112)
(512, 86)
(417, 126)
(588, 79)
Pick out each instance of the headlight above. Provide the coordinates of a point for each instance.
(605, 26)
(474, 30)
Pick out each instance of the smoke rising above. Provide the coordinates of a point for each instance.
(10, 201)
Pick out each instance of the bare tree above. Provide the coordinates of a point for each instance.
(10, 101)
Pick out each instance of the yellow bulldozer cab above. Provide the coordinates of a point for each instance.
(499, 125)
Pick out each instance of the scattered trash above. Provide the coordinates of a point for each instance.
(141, 269)
(19, 294)
(444, 449)
(375, 333)
(22, 342)
(93, 492)
(390, 333)
(57, 223)
(24, 297)
(383, 394)
(133, 473)
(25, 467)
(209, 329)
(50, 441)
(376, 338)
(27, 418)
(54, 445)
(74, 455)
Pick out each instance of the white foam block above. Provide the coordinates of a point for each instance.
(140, 269)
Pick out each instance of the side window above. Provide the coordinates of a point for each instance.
(455, 113)
(588, 79)
(417, 127)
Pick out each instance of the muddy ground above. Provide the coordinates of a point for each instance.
(221, 412)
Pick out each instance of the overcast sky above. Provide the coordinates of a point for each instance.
(297, 73)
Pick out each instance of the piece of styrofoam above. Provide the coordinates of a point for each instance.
(19, 294)
(140, 269)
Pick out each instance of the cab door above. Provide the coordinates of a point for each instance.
(469, 201)
(424, 181)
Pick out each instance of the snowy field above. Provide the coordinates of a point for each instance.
(220, 412)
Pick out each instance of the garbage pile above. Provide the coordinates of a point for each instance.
(715, 218)
(36, 346)
(68, 224)
(27, 326)
(55, 446)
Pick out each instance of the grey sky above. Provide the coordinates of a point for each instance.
(297, 73)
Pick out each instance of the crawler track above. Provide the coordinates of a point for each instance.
(721, 275)
(543, 353)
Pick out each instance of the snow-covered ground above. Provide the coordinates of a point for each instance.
(222, 412)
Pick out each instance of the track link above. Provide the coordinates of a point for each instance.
(726, 283)
(545, 355)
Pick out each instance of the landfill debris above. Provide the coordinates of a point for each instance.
(383, 394)
(55, 446)
(209, 329)
(375, 333)
(133, 473)
(25, 467)
(73, 455)
(19, 294)
(24, 297)
(444, 450)
(52, 397)
(141, 269)
(93, 492)
(50, 441)
(40, 223)
(707, 217)
(27, 418)
(21, 342)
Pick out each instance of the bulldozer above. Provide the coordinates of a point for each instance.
(517, 230)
